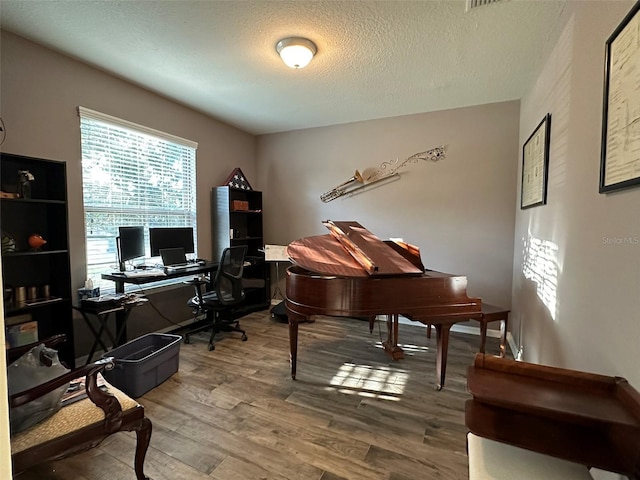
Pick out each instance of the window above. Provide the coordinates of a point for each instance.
(131, 175)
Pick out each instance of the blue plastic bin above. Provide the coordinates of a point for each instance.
(144, 363)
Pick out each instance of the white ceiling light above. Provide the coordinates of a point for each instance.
(296, 52)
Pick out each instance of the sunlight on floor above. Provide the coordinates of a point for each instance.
(408, 348)
(383, 382)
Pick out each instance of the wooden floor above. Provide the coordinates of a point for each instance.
(236, 414)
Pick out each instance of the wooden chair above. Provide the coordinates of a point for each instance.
(78, 426)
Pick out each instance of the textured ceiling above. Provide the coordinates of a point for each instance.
(375, 59)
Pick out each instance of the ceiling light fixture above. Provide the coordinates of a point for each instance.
(296, 52)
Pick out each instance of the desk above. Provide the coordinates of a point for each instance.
(120, 280)
(102, 315)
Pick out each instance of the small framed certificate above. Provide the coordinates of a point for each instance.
(620, 151)
(535, 166)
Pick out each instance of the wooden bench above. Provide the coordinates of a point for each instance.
(490, 313)
(579, 417)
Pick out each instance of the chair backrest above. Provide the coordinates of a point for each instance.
(228, 280)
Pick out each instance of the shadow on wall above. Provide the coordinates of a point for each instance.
(534, 325)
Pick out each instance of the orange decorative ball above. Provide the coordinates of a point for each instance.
(36, 241)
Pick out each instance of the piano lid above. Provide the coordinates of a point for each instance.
(351, 251)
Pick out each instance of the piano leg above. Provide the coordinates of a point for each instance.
(442, 345)
(391, 344)
(483, 336)
(293, 344)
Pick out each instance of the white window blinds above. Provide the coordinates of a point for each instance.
(132, 175)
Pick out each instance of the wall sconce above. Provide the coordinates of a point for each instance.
(296, 52)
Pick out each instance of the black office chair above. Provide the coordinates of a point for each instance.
(227, 292)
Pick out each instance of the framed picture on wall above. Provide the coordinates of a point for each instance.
(535, 165)
(620, 150)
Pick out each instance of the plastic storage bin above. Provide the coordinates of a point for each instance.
(144, 363)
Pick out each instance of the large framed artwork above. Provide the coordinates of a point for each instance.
(535, 165)
(620, 151)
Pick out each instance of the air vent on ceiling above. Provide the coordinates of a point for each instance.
(479, 3)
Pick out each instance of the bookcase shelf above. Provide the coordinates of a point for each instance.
(41, 278)
(242, 227)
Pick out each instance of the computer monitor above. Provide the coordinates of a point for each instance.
(171, 237)
(130, 244)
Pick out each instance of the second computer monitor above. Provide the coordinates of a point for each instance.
(171, 237)
(130, 244)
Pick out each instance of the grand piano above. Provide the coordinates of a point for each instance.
(350, 272)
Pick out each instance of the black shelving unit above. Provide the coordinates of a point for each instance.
(237, 220)
(45, 273)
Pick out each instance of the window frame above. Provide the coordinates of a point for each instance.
(176, 158)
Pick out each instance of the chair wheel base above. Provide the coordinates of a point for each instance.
(186, 340)
(211, 347)
(244, 338)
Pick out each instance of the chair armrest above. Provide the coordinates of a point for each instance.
(106, 401)
(90, 371)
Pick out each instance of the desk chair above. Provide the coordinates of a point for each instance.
(80, 425)
(227, 292)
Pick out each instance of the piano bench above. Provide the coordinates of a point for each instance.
(490, 313)
(491, 460)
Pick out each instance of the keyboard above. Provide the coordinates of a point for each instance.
(144, 273)
(180, 266)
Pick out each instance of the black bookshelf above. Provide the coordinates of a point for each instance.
(36, 281)
(237, 220)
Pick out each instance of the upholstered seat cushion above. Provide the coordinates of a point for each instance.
(490, 460)
(68, 419)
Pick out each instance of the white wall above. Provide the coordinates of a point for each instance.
(459, 211)
(583, 312)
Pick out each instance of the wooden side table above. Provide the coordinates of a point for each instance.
(493, 313)
(490, 313)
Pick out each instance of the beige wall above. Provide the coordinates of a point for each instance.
(459, 211)
(583, 312)
(40, 93)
